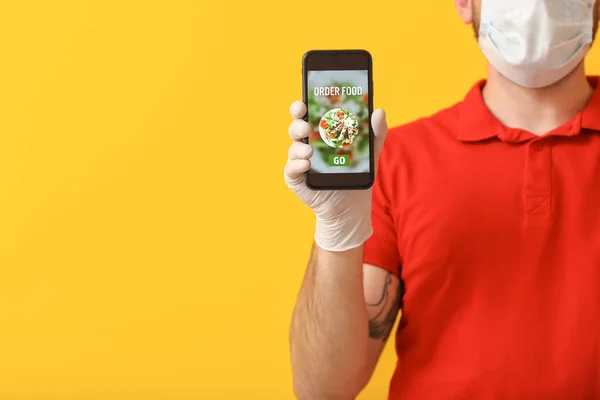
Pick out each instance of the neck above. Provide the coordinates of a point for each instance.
(538, 111)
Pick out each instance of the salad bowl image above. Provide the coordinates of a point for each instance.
(338, 128)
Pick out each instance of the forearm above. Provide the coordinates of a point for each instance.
(330, 328)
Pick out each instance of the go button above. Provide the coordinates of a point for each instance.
(537, 146)
(339, 160)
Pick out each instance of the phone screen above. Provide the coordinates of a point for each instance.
(338, 114)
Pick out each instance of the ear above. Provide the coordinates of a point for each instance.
(465, 10)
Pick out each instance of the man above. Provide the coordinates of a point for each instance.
(485, 231)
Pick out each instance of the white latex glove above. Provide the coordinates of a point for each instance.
(343, 216)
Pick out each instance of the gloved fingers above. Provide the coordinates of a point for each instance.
(299, 130)
(298, 109)
(300, 151)
(295, 169)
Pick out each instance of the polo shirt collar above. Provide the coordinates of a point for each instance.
(477, 123)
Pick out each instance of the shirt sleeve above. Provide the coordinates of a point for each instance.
(381, 249)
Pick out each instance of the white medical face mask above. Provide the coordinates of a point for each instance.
(536, 43)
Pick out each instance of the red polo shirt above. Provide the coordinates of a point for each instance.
(496, 235)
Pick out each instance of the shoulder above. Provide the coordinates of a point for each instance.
(441, 125)
(421, 142)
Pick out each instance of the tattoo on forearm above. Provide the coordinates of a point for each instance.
(383, 301)
(382, 323)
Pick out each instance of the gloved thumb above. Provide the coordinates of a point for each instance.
(380, 129)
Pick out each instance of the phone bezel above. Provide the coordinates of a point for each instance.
(339, 60)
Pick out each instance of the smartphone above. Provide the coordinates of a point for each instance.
(337, 88)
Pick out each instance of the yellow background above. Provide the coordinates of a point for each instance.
(149, 248)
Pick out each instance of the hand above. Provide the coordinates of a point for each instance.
(343, 216)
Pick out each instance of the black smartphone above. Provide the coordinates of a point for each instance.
(337, 88)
